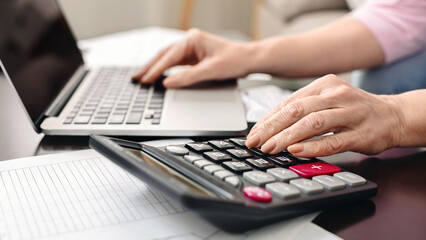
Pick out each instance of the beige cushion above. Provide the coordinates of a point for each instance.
(289, 9)
(312, 20)
(352, 4)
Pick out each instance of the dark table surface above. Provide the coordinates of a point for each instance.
(397, 212)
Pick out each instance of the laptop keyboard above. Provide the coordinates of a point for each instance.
(113, 99)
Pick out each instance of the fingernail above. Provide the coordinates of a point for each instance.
(167, 83)
(253, 141)
(144, 78)
(269, 146)
(251, 133)
(296, 148)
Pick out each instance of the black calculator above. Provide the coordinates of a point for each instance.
(234, 187)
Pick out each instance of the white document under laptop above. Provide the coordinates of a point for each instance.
(62, 96)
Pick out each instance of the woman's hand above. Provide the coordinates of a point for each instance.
(360, 121)
(212, 57)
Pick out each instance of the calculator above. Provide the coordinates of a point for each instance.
(234, 187)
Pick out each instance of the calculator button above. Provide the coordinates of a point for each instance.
(237, 166)
(306, 160)
(198, 147)
(283, 190)
(282, 174)
(177, 150)
(258, 177)
(221, 144)
(329, 182)
(259, 152)
(260, 163)
(217, 156)
(257, 194)
(313, 169)
(233, 181)
(240, 142)
(212, 168)
(283, 161)
(223, 174)
(239, 153)
(351, 179)
(307, 186)
(191, 159)
(202, 163)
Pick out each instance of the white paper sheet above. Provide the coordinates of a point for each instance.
(259, 101)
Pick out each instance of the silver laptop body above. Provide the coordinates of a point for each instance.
(40, 59)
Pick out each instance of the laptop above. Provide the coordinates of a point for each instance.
(40, 58)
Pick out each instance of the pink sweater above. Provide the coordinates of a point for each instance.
(398, 25)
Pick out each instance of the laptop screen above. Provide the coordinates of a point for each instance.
(37, 50)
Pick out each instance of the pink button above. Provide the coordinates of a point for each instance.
(313, 169)
(257, 194)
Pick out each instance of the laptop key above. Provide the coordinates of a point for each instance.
(134, 118)
(99, 120)
(117, 119)
(82, 119)
(68, 120)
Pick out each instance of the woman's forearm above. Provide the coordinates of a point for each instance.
(343, 45)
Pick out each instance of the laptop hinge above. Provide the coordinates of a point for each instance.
(55, 108)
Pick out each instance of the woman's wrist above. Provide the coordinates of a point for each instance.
(398, 127)
(412, 129)
(261, 56)
(251, 57)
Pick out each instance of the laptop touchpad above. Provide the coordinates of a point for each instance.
(210, 91)
(204, 95)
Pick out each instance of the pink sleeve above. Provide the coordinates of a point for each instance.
(398, 25)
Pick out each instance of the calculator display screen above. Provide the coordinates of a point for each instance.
(189, 184)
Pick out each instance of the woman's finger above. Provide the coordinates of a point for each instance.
(253, 138)
(313, 124)
(328, 145)
(317, 87)
(202, 71)
(290, 114)
(174, 56)
(139, 74)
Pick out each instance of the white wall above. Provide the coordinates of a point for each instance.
(90, 18)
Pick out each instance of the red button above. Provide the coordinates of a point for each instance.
(313, 169)
(257, 194)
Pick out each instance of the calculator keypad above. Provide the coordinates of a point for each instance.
(261, 176)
